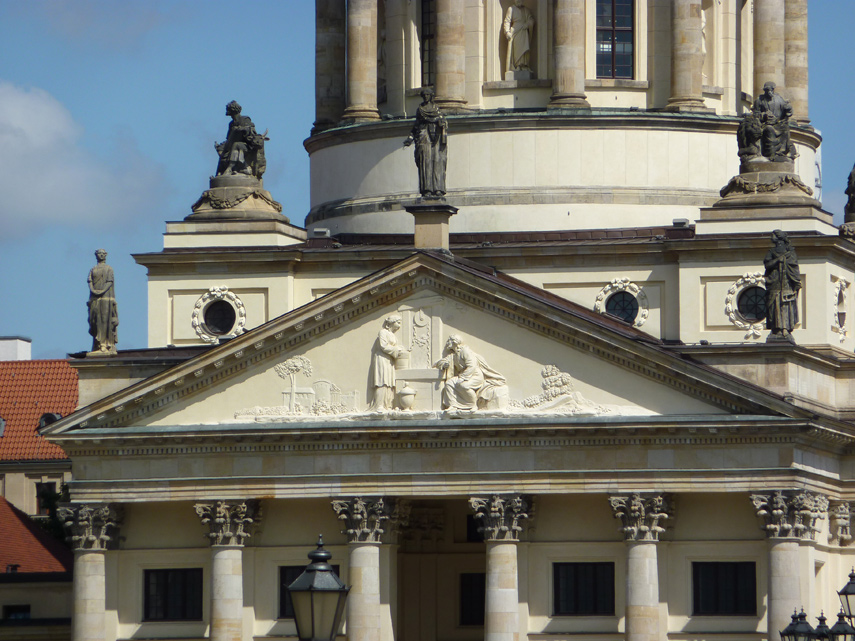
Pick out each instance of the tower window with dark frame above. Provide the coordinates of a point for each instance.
(615, 53)
(724, 588)
(220, 317)
(45, 493)
(580, 589)
(473, 588)
(428, 43)
(173, 594)
(751, 303)
(623, 305)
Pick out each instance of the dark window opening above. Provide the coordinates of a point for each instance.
(751, 303)
(472, 533)
(472, 592)
(173, 595)
(287, 575)
(428, 43)
(724, 588)
(45, 498)
(583, 589)
(615, 56)
(220, 317)
(16, 612)
(623, 305)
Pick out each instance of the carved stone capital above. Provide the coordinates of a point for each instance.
(500, 516)
(91, 527)
(642, 516)
(790, 513)
(399, 519)
(840, 521)
(229, 522)
(425, 528)
(364, 519)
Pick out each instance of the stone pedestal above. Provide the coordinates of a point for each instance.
(226, 593)
(236, 197)
(569, 49)
(764, 183)
(431, 223)
(89, 591)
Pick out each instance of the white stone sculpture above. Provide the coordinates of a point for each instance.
(518, 27)
(470, 384)
(383, 355)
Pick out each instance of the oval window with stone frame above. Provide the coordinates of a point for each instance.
(623, 305)
(220, 317)
(751, 304)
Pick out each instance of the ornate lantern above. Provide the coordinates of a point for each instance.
(318, 596)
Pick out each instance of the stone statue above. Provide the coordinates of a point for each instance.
(518, 27)
(849, 208)
(783, 282)
(383, 356)
(470, 383)
(430, 133)
(748, 136)
(103, 312)
(242, 152)
(774, 113)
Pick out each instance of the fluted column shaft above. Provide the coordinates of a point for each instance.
(769, 49)
(89, 591)
(361, 61)
(796, 57)
(687, 57)
(569, 51)
(450, 55)
(329, 62)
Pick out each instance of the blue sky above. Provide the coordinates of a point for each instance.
(108, 114)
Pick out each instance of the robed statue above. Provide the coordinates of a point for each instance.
(242, 152)
(103, 312)
(768, 127)
(783, 282)
(430, 134)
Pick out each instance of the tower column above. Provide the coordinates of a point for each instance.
(92, 529)
(769, 51)
(687, 57)
(450, 55)
(500, 518)
(796, 57)
(789, 517)
(643, 518)
(229, 524)
(361, 61)
(569, 50)
(329, 63)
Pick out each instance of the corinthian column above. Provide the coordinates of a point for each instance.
(687, 57)
(450, 55)
(92, 530)
(361, 61)
(569, 49)
(642, 519)
(500, 518)
(796, 57)
(329, 63)
(769, 51)
(229, 525)
(364, 521)
(788, 517)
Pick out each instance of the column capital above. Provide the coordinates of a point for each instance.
(790, 513)
(91, 527)
(840, 520)
(642, 516)
(230, 522)
(500, 516)
(364, 519)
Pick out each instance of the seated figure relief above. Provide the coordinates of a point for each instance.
(470, 383)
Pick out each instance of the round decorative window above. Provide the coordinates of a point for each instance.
(751, 303)
(220, 317)
(623, 305)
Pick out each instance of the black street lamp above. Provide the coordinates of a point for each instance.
(799, 629)
(841, 631)
(847, 596)
(821, 631)
(318, 596)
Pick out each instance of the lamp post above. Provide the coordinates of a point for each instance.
(799, 629)
(841, 631)
(847, 596)
(318, 596)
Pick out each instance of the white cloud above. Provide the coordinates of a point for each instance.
(49, 178)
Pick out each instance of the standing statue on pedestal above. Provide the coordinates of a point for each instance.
(783, 282)
(849, 207)
(774, 113)
(517, 27)
(242, 152)
(383, 356)
(430, 133)
(103, 312)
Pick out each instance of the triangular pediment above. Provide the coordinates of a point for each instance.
(522, 354)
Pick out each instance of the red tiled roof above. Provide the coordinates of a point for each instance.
(29, 389)
(28, 546)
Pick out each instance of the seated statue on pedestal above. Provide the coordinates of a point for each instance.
(242, 152)
(768, 125)
(470, 383)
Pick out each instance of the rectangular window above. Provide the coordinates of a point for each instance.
(45, 494)
(472, 591)
(16, 612)
(428, 43)
(174, 594)
(726, 588)
(287, 575)
(583, 589)
(614, 39)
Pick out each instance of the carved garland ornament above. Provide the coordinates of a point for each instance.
(215, 294)
(208, 197)
(791, 514)
(838, 307)
(752, 330)
(740, 185)
(624, 285)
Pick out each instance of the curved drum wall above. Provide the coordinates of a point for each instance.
(535, 172)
